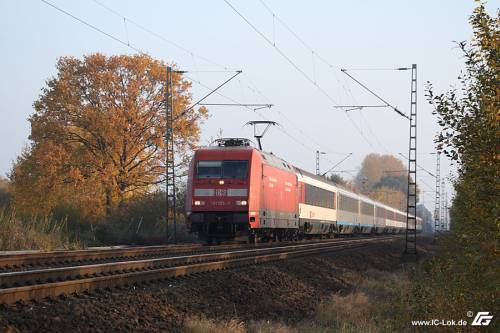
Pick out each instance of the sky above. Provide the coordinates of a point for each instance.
(301, 76)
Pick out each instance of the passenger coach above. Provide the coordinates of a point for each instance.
(236, 191)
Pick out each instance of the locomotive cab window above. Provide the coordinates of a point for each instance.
(235, 169)
(222, 169)
(209, 169)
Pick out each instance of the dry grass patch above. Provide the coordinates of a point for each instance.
(204, 325)
(374, 306)
(35, 233)
(269, 327)
(377, 304)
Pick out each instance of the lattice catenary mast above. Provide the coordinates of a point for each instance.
(411, 198)
(317, 160)
(170, 213)
(442, 209)
(411, 201)
(437, 200)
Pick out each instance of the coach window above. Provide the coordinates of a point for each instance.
(209, 169)
(316, 196)
(235, 169)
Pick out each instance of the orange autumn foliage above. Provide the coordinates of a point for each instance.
(97, 134)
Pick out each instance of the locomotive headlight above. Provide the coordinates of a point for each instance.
(221, 182)
(241, 203)
(199, 203)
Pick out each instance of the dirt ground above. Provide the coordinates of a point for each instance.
(284, 291)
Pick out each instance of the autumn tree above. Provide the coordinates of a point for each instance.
(384, 178)
(390, 196)
(5, 195)
(97, 133)
(374, 167)
(337, 179)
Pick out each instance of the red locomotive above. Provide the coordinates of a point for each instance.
(236, 191)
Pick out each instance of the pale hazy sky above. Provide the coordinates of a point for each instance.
(348, 34)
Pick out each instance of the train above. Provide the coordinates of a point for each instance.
(236, 192)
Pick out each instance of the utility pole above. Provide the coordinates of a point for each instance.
(411, 201)
(170, 196)
(437, 203)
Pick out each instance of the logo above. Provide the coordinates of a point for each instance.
(482, 319)
(220, 192)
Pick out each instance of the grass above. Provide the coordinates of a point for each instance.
(46, 232)
(34, 233)
(377, 304)
(204, 325)
(374, 306)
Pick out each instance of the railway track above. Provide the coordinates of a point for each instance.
(32, 260)
(37, 260)
(38, 284)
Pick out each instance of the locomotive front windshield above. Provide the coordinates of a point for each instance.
(222, 169)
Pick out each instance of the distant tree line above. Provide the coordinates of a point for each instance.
(384, 178)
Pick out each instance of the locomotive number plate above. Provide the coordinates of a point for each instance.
(220, 192)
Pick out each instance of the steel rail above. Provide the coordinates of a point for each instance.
(41, 258)
(29, 260)
(11, 279)
(128, 273)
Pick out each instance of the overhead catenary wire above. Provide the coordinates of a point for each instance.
(291, 62)
(283, 54)
(375, 94)
(314, 53)
(379, 142)
(140, 26)
(225, 69)
(92, 26)
(192, 54)
(138, 50)
(421, 167)
(298, 128)
(129, 45)
(426, 184)
(207, 95)
(377, 69)
(372, 133)
(337, 164)
(294, 34)
(153, 33)
(280, 128)
(329, 65)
